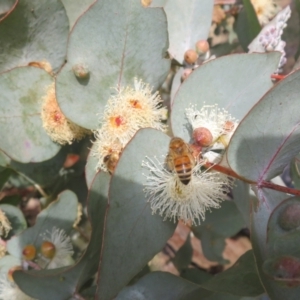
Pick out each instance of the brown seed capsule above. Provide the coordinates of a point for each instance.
(202, 47)
(29, 252)
(202, 137)
(190, 56)
(48, 249)
(81, 71)
(228, 126)
(11, 271)
(186, 74)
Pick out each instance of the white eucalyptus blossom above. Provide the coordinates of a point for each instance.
(125, 113)
(269, 39)
(175, 200)
(63, 249)
(214, 119)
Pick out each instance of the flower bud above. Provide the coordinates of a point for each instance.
(289, 219)
(202, 137)
(81, 71)
(190, 56)
(48, 249)
(186, 74)
(71, 160)
(29, 252)
(202, 47)
(11, 271)
(228, 126)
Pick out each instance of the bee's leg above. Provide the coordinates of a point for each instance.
(169, 163)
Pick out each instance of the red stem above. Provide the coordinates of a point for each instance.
(262, 184)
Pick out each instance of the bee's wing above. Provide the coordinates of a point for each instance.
(169, 162)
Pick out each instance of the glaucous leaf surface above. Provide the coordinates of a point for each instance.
(6, 7)
(162, 285)
(218, 225)
(158, 3)
(22, 90)
(183, 256)
(15, 217)
(90, 168)
(7, 262)
(188, 22)
(241, 198)
(247, 26)
(60, 214)
(269, 136)
(195, 275)
(135, 49)
(43, 173)
(261, 212)
(132, 234)
(75, 9)
(67, 281)
(29, 35)
(176, 83)
(234, 82)
(241, 279)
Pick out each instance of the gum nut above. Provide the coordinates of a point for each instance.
(29, 252)
(202, 137)
(202, 47)
(190, 56)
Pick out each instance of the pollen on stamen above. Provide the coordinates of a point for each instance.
(131, 109)
(173, 200)
(58, 127)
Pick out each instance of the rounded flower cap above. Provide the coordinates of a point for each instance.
(174, 200)
(10, 291)
(63, 249)
(131, 109)
(214, 119)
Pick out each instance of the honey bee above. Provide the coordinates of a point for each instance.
(180, 159)
(110, 160)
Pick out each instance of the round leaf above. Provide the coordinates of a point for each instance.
(188, 22)
(30, 35)
(268, 137)
(135, 49)
(234, 82)
(22, 90)
(76, 8)
(132, 234)
(67, 281)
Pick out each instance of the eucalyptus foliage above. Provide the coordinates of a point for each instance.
(105, 227)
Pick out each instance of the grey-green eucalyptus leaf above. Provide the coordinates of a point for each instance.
(22, 90)
(6, 7)
(188, 22)
(261, 211)
(241, 279)
(76, 8)
(28, 34)
(90, 168)
(268, 137)
(234, 82)
(132, 234)
(7, 262)
(60, 214)
(136, 48)
(68, 281)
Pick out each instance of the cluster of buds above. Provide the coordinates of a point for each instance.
(55, 251)
(193, 58)
(269, 39)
